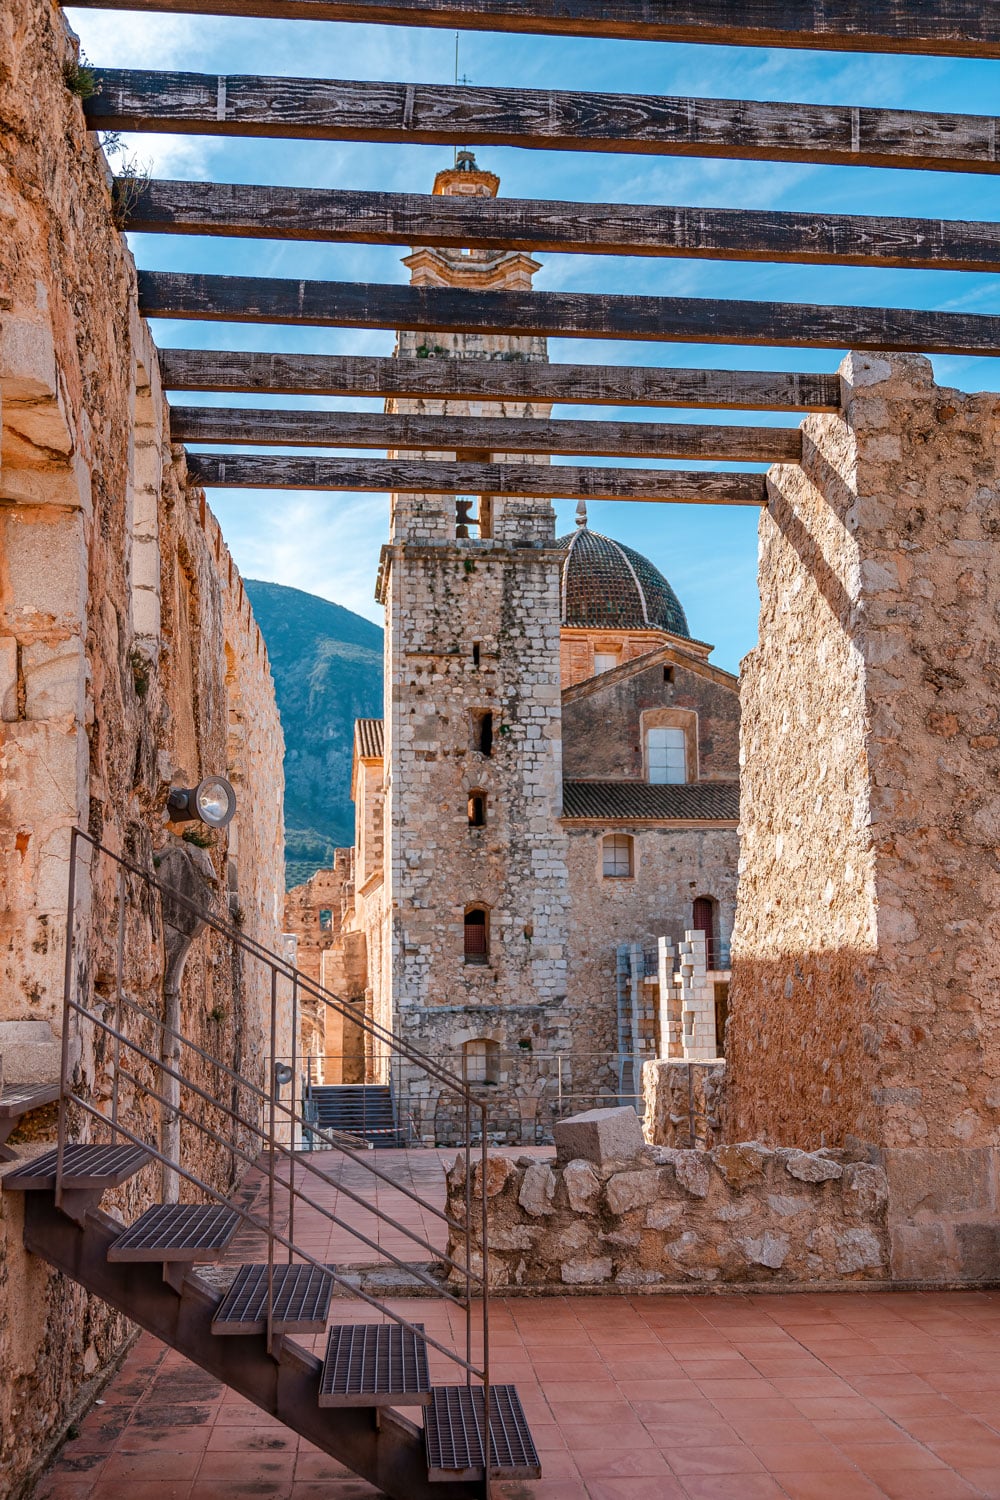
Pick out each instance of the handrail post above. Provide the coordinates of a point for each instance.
(467, 1104)
(270, 1162)
(67, 992)
(291, 1116)
(119, 975)
(487, 1429)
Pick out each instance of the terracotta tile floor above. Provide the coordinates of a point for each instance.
(803, 1396)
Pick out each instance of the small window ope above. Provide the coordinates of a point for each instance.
(477, 809)
(477, 936)
(606, 661)
(326, 920)
(482, 731)
(666, 756)
(481, 1061)
(617, 850)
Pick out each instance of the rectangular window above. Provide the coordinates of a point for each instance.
(606, 661)
(617, 856)
(482, 730)
(666, 751)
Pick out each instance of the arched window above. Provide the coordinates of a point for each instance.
(477, 809)
(482, 730)
(481, 1060)
(477, 935)
(617, 856)
(666, 755)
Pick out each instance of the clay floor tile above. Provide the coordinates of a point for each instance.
(723, 1459)
(619, 1463)
(802, 1457)
(908, 1384)
(824, 1385)
(847, 1431)
(776, 1430)
(63, 1487)
(809, 1485)
(835, 1408)
(733, 1487)
(163, 1463)
(981, 1454)
(558, 1391)
(660, 1487)
(670, 1436)
(736, 1389)
(267, 1467)
(887, 1458)
(236, 1438)
(642, 1392)
(760, 1408)
(928, 1484)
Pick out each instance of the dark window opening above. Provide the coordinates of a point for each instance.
(668, 674)
(326, 920)
(477, 936)
(475, 653)
(477, 809)
(482, 730)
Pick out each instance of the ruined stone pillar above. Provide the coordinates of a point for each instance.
(864, 998)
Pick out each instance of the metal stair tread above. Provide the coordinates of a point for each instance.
(177, 1231)
(375, 1364)
(17, 1098)
(453, 1435)
(90, 1168)
(301, 1297)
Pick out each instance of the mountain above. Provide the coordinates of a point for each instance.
(327, 669)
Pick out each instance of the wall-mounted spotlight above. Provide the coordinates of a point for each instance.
(212, 801)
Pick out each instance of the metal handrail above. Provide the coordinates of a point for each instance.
(279, 1115)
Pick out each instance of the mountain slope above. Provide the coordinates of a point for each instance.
(327, 668)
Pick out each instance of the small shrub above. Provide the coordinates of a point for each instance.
(131, 181)
(81, 79)
(201, 838)
(141, 674)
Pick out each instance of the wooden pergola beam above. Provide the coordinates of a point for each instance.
(261, 471)
(250, 211)
(542, 119)
(336, 304)
(493, 435)
(949, 28)
(257, 372)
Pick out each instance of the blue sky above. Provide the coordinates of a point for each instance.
(329, 544)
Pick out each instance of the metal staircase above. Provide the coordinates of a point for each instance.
(366, 1110)
(350, 1401)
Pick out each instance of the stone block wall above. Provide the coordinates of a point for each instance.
(684, 1103)
(738, 1216)
(128, 660)
(863, 1004)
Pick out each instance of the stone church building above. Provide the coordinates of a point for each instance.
(556, 781)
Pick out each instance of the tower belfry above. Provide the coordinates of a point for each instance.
(476, 873)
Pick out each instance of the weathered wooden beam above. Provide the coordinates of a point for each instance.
(496, 380)
(250, 211)
(948, 28)
(495, 435)
(543, 119)
(266, 472)
(338, 304)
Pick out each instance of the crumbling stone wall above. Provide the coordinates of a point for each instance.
(863, 1004)
(741, 1216)
(128, 658)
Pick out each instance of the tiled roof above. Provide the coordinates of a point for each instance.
(369, 738)
(606, 585)
(617, 801)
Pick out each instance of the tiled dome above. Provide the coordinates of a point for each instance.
(606, 585)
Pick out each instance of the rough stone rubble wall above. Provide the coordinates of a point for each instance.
(683, 1103)
(864, 971)
(740, 1215)
(117, 599)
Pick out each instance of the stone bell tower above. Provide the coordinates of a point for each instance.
(476, 881)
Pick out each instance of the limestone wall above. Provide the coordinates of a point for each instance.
(864, 1003)
(741, 1216)
(128, 658)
